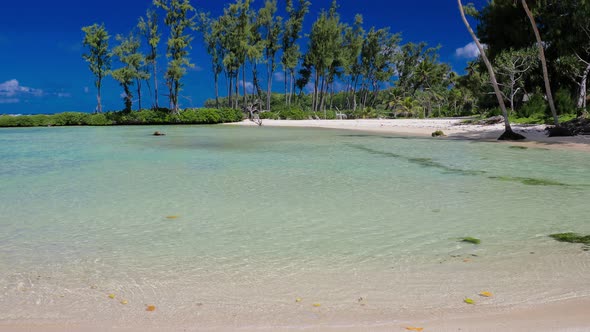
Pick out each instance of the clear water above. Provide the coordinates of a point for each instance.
(268, 215)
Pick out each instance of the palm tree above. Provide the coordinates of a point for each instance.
(508, 133)
(543, 62)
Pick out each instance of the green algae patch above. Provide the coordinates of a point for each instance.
(470, 239)
(572, 238)
(438, 133)
(529, 181)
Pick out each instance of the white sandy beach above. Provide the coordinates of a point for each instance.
(562, 316)
(453, 128)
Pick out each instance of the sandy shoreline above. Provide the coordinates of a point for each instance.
(453, 128)
(568, 315)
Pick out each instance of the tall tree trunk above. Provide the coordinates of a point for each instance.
(269, 84)
(314, 101)
(291, 86)
(245, 100)
(99, 105)
(255, 81)
(216, 79)
(139, 94)
(583, 88)
(321, 106)
(508, 133)
(543, 62)
(176, 88)
(286, 95)
(230, 90)
(156, 84)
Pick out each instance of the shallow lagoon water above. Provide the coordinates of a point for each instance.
(267, 215)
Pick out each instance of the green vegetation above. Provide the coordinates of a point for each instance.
(469, 239)
(144, 117)
(350, 70)
(571, 238)
(438, 133)
(528, 181)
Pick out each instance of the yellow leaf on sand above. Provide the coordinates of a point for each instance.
(150, 308)
(124, 302)
(486, 294)
(411, 328)
(317, 305)
(111, 296)
(298, 300)
(469, 301)
(172, 217)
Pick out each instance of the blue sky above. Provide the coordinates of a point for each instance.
(42, 71)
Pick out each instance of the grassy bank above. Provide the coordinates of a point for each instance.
(143, 117)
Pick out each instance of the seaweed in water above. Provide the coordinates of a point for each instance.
(424, 162)
(428, 162)
(573, 238)
(529, 181)
(516, 147)
(472, 240)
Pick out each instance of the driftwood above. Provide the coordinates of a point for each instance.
(253, 111)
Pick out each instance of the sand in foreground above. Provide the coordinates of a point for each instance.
(567, 315)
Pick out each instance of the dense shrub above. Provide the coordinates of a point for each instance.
(270, 115)
(231, 115)
(99, 120)
(536, 106)
(564, 102)
(143, 117)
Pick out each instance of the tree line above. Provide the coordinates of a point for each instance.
(363, 72)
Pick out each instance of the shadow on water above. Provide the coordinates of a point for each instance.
(428, 162)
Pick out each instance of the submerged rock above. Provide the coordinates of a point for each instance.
(159, 133)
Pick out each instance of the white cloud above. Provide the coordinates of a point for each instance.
(468, 51)
(13, 88)
(9, 101)
(279, 76)
(86, 89)
(64, 95)
(249, 86)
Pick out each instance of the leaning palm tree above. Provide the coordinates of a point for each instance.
(543, 62)
(508, 133)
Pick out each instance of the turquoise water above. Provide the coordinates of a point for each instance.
(265, 215)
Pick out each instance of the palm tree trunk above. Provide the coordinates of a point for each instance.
(508, 133)
(314, 101)
(216, 78)
(156, 84)
(543, 62)
(99, 106)
(139, 94)
(269, 85)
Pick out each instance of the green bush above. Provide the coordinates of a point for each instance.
(69, 119)
(143, 117)
(99, 120)
(534, 107)
(269, 115)
(231, 115)
(198, 116)
(564, 102)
